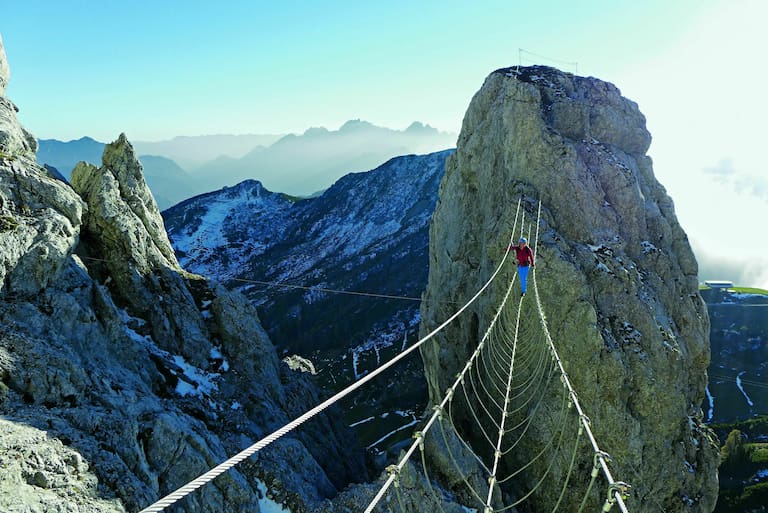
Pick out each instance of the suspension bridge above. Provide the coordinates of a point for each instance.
(512, 397)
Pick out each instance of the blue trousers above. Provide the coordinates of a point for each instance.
(522, 271)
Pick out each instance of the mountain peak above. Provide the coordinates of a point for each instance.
(315, 131)
(417, 127)
(356, 124)
(86, 139)
(5, 72)
(120, 203)
(118, 152)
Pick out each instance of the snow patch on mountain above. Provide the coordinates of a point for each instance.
(367, 233)
(220, 231)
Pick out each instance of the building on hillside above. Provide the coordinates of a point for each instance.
(719, 284)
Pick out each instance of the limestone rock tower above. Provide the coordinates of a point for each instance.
(615, 272)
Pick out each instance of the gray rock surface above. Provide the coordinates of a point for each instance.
(412, 494)
(15, 141)
(615, 270)
(39, 472)
(5, 72)
(125, 239)
(141, 375)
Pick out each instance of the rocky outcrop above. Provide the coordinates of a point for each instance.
(5, 72)
(141, 375)
(123, 229)
(615, 271)
(40, 471)
(14, 140)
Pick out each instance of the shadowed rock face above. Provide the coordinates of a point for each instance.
(122, 377)
(124, 230)
(614, 268)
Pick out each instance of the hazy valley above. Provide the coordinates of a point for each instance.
(299, 165)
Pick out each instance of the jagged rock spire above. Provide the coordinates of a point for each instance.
(616, 274)
(123, 230)
(122, 207)
(15, 141)
(5, 71)
(39, 217)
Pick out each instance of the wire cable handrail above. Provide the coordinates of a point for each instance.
(617, 489)
(205, 478)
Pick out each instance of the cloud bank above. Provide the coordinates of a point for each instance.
(717, 263)
(741, 183)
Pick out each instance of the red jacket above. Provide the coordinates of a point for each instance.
(524, 256)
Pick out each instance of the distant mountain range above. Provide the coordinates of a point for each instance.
(191, 152)
(167, 180)
(300, 165)
(65, 155)
(369, 232)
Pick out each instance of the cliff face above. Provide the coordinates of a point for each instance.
(614, 268)
(123, 376)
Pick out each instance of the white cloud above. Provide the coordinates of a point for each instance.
(723, 168)
(739, 182)
(702, 99)
(720, 263)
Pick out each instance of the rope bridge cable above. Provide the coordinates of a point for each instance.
(617, 489)
(500, 440)
(327, 290)
(521, 51)
(537, 376)
(751, 383)
(508, 388)
(494, 361)
(205, 478)
(438, 410)
(312, 288)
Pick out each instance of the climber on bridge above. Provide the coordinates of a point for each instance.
(524, 261)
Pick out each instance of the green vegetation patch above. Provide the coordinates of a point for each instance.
(291, 198)
(751, 498)
(754, 427)
(749, 290)
(740, 461)
(740, 290)
(758, 453)
(8, 223)
(754, 497)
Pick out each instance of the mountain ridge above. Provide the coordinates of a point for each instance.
(368, 232)
(347, 149)
(308, 163)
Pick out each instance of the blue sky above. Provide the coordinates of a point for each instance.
(164, 68)
(156, 69)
